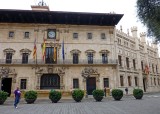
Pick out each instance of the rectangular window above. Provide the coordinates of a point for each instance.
(121, 81)
(51, 55)
(156, 69)
(127, 62)
(90, 58)
(23, 84)
(142, 65)
(11, 34)
(153, 68)
(104, 58)
(136, 81)
(75, 35)
(26, 35)
(9, 58)
(89, 35)
(129, 81)
(154, 81)
(120, 60)
(134, 64)
(103, 36)
(75, 58)
(75, 83)
(24, 58)
(106, 82)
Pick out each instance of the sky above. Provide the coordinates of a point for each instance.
(126, 7)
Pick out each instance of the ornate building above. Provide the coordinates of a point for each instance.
(43, 50)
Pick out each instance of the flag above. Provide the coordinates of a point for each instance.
(63, 56)
(146, 70)
(55, 54)
(43, 49)
(34, 50)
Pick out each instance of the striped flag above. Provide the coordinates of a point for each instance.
(34, 50)
(43, 49)
(63, 56)
(55, 54)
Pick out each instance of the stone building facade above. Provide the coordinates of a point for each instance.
(82, 50)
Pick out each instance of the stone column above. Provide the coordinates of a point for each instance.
(38, 81)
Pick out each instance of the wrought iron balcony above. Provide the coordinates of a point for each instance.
(59, 61)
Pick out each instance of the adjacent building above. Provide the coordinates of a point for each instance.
(43, 50)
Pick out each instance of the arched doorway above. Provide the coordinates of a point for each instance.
(50, 81)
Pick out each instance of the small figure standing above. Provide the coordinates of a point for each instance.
(17, 94)
(105, 91)
(126, 89)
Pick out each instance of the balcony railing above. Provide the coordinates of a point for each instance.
(66, 61)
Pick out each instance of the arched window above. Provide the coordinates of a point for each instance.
(50, 81)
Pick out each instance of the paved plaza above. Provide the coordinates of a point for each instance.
(150, 104)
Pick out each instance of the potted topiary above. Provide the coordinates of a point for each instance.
(77, 95)
(98, 94)
(55, 96)
(117, 94)
(138, 93)
(3, 97)
(30, 96)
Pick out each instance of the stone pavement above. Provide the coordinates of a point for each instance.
(150, 104)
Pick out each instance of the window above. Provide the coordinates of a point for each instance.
(89, 35)
(136, 81)
(104, 58)
(106, 82)
(129, 81)
(24, 58)
(127, 62)
(153, 68)
(142, 65)
(11, 34)
(50, 81)
(23, 84)
(90, 58)
(75, 58)
(8, 58)
(154, 81)
(134, 64)
(51, 55)
(75, 83)
(121, 81)
(26, 35)
(120, 60)
(75, 35)
(156, 69)
(103, 36)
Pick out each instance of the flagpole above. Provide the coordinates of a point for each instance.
(36, 47)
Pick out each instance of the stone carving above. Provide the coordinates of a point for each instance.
(88, 71)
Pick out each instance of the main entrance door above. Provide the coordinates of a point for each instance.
(91, 85)
(6, 85)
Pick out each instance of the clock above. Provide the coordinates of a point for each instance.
(51, 34)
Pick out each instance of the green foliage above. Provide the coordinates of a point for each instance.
(98, 94)
(77, 95)
(55, 96)
(30, 95)
(3, 96)
(138, 93)
(117, 94)
(148, 12)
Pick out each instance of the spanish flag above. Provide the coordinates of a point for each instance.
(34, 50)
(43, 49)
(55, 54)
